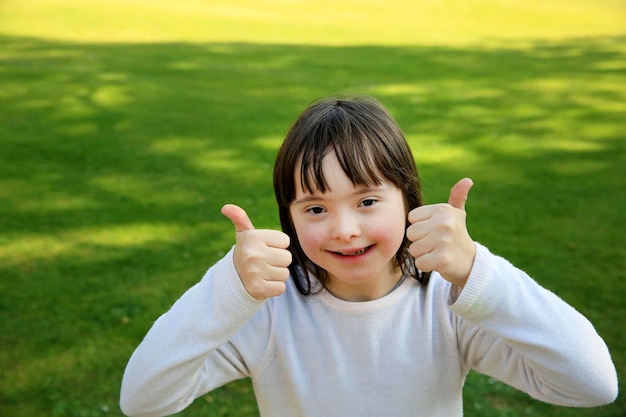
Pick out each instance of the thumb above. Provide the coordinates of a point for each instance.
(238, 216)
(459, 193)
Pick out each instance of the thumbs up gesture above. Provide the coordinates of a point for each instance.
(261, 256)
(440, 241)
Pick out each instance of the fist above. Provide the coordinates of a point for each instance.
(440, 241)
(261, 256)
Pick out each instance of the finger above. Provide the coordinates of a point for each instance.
(275, 288)
(426, 262)
(280, 258)
(422, 213)
(267, 289)
(416, 232)
(274, 238)
(459, 193)
(421, 247)
(238, 216)
(277, 274)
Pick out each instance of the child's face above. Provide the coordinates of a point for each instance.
(352, 233)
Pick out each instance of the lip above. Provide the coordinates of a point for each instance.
(353, 254)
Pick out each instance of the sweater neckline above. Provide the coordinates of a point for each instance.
(365, 307)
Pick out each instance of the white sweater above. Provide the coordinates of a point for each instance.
(405, 354)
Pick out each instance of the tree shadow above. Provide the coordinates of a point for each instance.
(117, 157)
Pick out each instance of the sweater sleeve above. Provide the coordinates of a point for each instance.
(514, 330)
(186, 352)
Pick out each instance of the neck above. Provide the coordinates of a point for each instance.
(365, 291)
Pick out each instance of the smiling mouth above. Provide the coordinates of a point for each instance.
(355, 253)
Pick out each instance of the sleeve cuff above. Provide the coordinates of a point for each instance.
(462, 299)
(233, 282)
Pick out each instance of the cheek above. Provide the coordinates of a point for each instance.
(390, 231)
(310, 238)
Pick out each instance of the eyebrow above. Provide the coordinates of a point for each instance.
(363, 190)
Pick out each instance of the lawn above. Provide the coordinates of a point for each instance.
(126, 125)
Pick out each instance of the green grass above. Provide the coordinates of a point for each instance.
(124, 127)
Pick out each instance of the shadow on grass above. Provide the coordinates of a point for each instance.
(116, 159)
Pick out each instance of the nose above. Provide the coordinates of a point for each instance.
(345, 226)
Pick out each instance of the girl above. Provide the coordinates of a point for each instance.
(368, 303)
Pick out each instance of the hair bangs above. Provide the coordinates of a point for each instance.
(342, 135)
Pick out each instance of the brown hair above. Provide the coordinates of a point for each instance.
(370, 148)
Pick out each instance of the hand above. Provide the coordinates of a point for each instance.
(261, 256)
(440, 241)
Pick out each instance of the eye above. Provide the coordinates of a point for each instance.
(315, 210)
(369, 202)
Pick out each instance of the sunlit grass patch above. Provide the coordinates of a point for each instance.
(126, 125)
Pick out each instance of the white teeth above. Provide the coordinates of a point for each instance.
(355, 253)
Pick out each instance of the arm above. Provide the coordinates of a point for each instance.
(186, 353)
(527, 337)
(510, 327)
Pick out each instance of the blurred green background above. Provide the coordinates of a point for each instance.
(126, 125)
